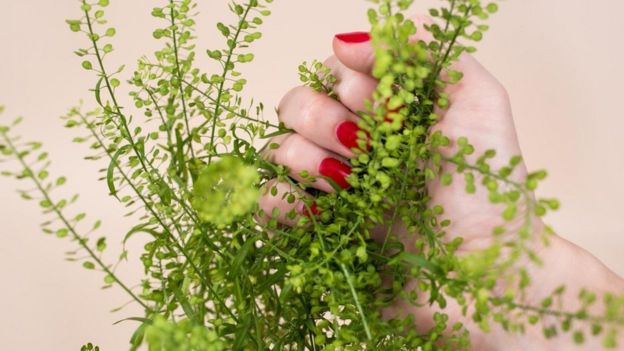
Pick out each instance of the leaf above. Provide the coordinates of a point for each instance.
(277, 133)
(225, 190)
(141, 228)
(137, 337)
(101, 244)
(98, 89)
(273, 279)
(241, 334)
(110, 172)
(419, 261)
(184, 303)
(240, 256)
(180, 160)
(136, 319)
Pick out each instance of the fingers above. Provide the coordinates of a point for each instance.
(310, 163)
(325, 135)
(352, 87)
(321, 120)
(355, 51)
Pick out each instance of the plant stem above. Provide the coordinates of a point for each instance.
(179, 77)
(158, 219)
(357, 302)
(237, 114)
(81, 241)
(226, 69)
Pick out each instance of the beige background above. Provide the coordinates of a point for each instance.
(560, 59)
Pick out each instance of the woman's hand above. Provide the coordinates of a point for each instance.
(480, 110)
(325, 132)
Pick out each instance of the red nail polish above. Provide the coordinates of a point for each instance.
(354, 37)
(313, 211)
(336, 170)
(347, 133)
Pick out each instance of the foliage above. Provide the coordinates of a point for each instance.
(224, 191)
(182, 336)
(89, 347)
(189, 171)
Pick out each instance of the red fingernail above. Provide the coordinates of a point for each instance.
(354, 37)
(347, 133)
(336, 170)
(313, 211)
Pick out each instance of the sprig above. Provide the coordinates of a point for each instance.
(34, 166)
(182, 157)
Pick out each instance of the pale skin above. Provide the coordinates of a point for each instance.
(480, 110)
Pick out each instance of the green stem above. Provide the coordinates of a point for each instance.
(124, 123)
(158, 219)
(164, 121)
(126, 130)
(563, 314)
(226, 69)
(357, 302)
(440, 64)
(180, 78)
(395, 211)
(237, 114)
(81, 241)
(479, 170)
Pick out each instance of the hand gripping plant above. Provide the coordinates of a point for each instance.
(186, 161)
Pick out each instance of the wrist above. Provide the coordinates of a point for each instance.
(564, 264)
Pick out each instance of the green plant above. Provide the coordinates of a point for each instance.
(89, 347)
(190, 170)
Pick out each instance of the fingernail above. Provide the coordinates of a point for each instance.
(336, 170)
(354, 37)
(347, 133)
(313, 211)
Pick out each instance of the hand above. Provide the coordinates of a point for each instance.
(479, 110)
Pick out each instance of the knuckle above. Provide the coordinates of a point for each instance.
(287, 99)
(331, 62)
(311, 108)
(300, 107)
(269, 152)
(289, 151)
(499, 90)
(286, 153)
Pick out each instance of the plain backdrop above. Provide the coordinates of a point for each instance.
(561, 61)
